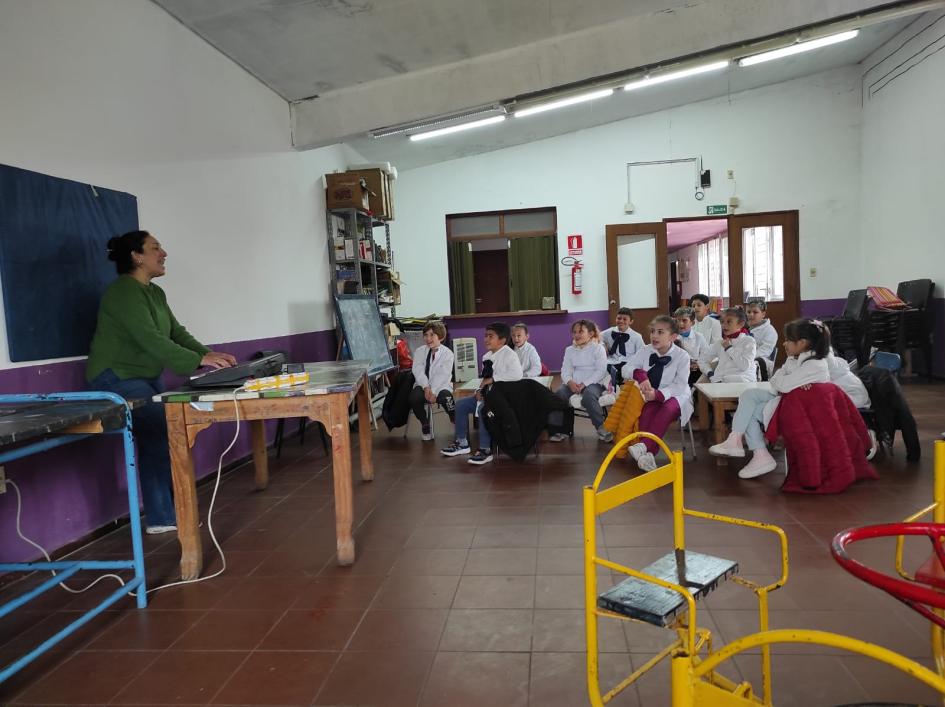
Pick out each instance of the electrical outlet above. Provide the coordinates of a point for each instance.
(628, 208)
(3, 480)
(730, 174)
(813, 272)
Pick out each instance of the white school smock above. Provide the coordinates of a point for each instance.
(710, 328)
(528, 357)
(675, 380)
(505, 364)
(441, 369)
(736, 364)
(796, 371)
(847, 381)
(633, 344)
(766, 338)
(695, 344)
(585, 365)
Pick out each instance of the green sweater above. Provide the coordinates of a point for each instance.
(137, 336)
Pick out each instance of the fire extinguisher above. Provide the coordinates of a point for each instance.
(576, 267)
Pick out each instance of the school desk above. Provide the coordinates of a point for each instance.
(723, 397)
(471, 386)
(325, 398)
(30, 424)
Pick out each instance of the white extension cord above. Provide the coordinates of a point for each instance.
(213, 537)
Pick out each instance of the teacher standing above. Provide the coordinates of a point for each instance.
(136, 338)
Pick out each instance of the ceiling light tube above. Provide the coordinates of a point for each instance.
(672, 76)
(458, 128)
(570, 101)
(798, 48)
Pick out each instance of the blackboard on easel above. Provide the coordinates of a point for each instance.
(360, 322)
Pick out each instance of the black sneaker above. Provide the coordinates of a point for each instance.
(455, 450)
(480, 457)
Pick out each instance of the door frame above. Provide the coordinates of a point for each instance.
(614, 231)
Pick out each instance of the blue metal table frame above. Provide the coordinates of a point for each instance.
(66, 568)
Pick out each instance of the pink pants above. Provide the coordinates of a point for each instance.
(656, 418)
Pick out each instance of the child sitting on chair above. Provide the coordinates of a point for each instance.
(761, 330)
(527, 354)
(582, 372)
(807, 344)
(661, 370)
(842, 377)
(709, 327)
(499, 363)
(432, 375)
(731, 360)
(621, 343)
(692, 342)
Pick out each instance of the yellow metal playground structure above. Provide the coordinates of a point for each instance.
(665, 594)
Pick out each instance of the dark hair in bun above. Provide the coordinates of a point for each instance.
(121, 247)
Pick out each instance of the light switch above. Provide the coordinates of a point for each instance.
(813, 272)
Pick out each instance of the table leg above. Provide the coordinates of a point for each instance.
(341, 473)
(257, 430)
(185, 492)
(703, 413)
(365, 431)
(719, 428)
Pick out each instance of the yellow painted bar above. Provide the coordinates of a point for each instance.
(679, 520)
(822, 638)
(766, 649)
(706, 694)
(590, 597)
(626, 441)
(610, 498)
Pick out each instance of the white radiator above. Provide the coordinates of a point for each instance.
(466, 360)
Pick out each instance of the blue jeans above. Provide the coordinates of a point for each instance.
(150, 432)
(464, 408)
(749, 416)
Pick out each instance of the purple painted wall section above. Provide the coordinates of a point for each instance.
(74, 490)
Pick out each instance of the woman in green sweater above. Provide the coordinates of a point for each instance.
(136, 338)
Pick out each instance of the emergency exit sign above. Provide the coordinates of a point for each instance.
(716, 210)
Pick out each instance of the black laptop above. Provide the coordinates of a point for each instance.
(235, 376)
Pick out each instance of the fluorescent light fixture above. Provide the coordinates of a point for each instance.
(672, 76)
(458, 128)
(798, 48)
(564, 102)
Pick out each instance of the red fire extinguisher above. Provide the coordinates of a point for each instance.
(576, 277)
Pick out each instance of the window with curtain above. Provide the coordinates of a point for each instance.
(503, 261)
(713, 267)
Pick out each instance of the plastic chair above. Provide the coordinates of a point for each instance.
(848, 331)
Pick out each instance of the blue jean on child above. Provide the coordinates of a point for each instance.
(464, 408)
(749, 416)
(150, 432)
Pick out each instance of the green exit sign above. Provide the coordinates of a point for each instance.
(716, 210)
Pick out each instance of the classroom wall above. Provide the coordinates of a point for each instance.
(903, 174)
(690, 253)
(784, 157)
(119, 94)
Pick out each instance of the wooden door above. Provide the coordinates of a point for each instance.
(491, 280)
(767, 273)
(637, 275)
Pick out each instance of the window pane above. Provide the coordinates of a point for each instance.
(474, 225)
(530, 221)
(763, 263)
(636, 264)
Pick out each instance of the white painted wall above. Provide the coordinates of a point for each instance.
(903, 173)
(793, 145)
(117, 93)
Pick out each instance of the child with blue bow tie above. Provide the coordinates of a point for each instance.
(691, 340)
(661, 370)
(621, 343)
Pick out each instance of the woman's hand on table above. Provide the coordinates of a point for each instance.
(215, 359)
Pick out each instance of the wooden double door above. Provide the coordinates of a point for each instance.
(638, 270)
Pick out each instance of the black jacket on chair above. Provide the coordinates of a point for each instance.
(396, 408)
(891, 409)
(516, 413)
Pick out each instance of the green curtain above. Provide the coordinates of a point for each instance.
(532, 271)
(462, 293)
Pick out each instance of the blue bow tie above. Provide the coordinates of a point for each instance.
(620, 343)
(657, 363)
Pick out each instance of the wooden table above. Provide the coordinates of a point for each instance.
(471, 386)
(325, 398)
(723, 397)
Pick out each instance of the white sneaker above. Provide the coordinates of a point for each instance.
(761, 463)
(159, 529)
(874, 445)
(731, 447)
(426, 435)
(646, 462)
(604, 435)
(557, 437)
(636, 451)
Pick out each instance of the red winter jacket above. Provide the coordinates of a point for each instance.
(825, 438)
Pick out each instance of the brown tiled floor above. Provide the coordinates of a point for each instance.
(467, 589)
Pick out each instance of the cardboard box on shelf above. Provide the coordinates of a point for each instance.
(378, 185)
(365, 250)
(346, 191)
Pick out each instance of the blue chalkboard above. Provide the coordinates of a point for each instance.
(360, 321)
(53, 262)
